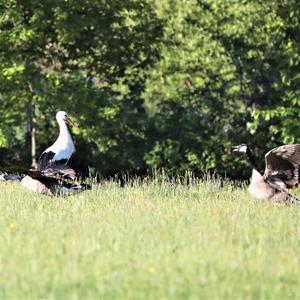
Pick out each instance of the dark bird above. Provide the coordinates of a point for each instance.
(281, 172)
(55, 180)
(10, 177)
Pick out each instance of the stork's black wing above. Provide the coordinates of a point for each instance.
(282, 165)
(45, 159)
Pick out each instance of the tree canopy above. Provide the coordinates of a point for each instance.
(153, 84)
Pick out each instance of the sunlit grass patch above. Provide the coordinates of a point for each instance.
(148, 240)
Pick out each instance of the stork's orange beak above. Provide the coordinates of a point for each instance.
(71, 122)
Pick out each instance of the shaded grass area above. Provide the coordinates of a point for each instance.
(148, 241)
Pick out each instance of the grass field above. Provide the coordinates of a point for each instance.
(148, 241)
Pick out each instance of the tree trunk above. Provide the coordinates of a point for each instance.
(32, 123)
(33, 134)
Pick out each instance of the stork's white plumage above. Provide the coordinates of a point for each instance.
(61, 151)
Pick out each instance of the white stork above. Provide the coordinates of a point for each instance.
(53, 174)
(61, 151)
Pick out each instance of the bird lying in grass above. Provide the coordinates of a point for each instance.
(55, 180)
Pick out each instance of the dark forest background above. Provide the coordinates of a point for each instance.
(153, 84)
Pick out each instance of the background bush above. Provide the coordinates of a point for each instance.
(154, 84)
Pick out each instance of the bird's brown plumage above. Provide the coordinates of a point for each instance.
(54, 171)
(282, 165)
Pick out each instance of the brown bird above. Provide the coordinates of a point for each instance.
(281, 172)
(53, 181)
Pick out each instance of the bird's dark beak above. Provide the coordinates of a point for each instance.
(71, 122)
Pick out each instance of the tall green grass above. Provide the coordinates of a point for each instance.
(148, 240)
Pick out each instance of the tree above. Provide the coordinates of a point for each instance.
(220, 66)
(170, 83)
(84, 56)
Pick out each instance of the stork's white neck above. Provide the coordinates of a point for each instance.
(63, 146)
(64, 133)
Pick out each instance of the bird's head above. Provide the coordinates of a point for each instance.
(61, 115)
(240, 148)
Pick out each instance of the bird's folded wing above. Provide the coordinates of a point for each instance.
(44, 160)
(282, 165)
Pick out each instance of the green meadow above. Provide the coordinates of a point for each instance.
(151, 240)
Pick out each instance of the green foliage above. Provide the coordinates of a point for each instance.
(170, 84)
(219, 81)
(85, 57)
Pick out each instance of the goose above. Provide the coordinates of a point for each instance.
(52, 181)
(281, 172)
(61, 151)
